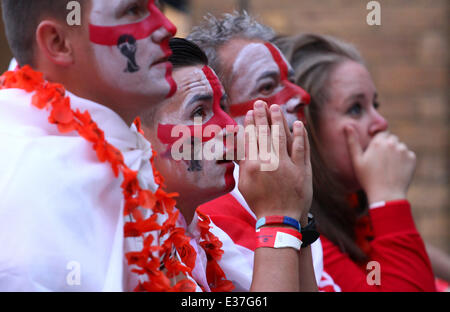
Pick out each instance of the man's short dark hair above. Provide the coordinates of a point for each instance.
(186, 53)
(21, 19)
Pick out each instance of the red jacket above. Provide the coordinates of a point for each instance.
(397, 248)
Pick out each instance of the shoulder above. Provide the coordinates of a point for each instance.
(18, 117)
(36, 157)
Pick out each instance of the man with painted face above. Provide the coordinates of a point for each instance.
(200, 96)
(73, 175)
(251, 68)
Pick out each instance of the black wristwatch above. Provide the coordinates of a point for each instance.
(309, 232)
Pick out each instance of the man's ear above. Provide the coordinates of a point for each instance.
(54, 43)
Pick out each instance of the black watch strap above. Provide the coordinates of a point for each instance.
(309, 232)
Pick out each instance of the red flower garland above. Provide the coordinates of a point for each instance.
(51, 96)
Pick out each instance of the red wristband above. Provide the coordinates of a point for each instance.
(278, 238)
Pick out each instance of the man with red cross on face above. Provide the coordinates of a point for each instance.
(251, 68)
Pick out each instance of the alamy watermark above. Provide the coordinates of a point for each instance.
(262, 143)
(374, 16)
(374, 275)
(73, 278)
(74, 15)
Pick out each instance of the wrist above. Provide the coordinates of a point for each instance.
(304, 220)
(380, 204)
(284, 221)
(386, 195)
(294, 215)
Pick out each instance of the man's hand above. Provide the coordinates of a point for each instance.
(286, 190)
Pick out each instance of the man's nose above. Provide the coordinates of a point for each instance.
(163, 34)
(294, 105)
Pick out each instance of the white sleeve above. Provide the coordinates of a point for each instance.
(236, 262)
(12, 65)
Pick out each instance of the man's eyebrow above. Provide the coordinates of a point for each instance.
(123, 4)
(269, 73)
(199, 97)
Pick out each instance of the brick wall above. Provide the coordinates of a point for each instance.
(408, 58)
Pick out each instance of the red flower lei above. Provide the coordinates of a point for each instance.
(51, 96)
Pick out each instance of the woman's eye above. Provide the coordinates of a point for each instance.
(376, 105)
(355, 109)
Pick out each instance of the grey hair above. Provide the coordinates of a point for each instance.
(215, 32)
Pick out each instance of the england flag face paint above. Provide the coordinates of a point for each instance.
(131, 45)
(199, 95)
(260, 72)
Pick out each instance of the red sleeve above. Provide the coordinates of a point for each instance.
(397, 247)
(229, 215)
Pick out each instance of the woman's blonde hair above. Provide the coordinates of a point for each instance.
(314, 57)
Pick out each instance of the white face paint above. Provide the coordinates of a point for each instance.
(137, 66)
(256, 74)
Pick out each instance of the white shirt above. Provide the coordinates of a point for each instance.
(61, 209)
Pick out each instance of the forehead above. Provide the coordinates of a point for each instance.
(247, 59)
(104, 12)
(191, 80)
(252, 57)
(106, 7)
(351, 77)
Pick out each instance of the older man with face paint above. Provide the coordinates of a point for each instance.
(200, 95)
(251, 68)
(70, 166)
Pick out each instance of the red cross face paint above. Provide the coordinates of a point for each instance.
(202, 164)
(131, 44)
(260, 72)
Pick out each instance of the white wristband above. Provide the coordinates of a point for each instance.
(284, 240)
